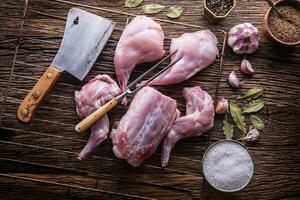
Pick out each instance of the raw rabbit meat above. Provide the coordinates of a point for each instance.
(141, 41)
(148, 119)
(198, 50)
(199, 119)
(95, 93)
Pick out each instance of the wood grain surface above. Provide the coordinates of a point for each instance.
(38, 160)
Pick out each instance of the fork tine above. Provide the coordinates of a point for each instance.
(149, 71)
(156, 75)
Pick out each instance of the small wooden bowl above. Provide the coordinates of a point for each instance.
(208, 14)
(266, 23)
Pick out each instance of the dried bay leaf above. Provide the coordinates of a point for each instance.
(238, 117)
(175, 12)
(257, 122)
(132, 3)
(152, 8)
(254, 106)
(227, 128)
(252, 93)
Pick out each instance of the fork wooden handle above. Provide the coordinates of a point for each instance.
(95, 116)
(37, 94)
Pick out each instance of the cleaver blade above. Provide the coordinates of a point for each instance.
(84, 38)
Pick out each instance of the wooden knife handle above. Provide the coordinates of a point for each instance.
(37, 94)
(95, 116)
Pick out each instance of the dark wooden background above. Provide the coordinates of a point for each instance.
(37, 160)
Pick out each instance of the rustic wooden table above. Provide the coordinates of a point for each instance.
(37, 160)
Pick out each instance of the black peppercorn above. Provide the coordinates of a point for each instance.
(219, 7)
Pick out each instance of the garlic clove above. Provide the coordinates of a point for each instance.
(234, 81)
(246, 67)
(252, 135)
(222, 106)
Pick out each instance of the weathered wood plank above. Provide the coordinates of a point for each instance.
(273, 187)
(19, 190)
(119, 174)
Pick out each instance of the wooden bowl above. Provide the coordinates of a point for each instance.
(211, 16)
(266, 23)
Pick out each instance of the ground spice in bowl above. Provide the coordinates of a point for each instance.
(287, 28)
(219, 7)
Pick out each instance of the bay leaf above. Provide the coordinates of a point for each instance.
(152, 8)
(254, 106)
(227, 129)
(175, 12)
(252, 93)
(257, 122)
(238, 117)
(132, 3)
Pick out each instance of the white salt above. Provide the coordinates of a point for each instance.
(228, 166)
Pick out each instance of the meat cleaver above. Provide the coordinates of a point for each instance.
(84, 38)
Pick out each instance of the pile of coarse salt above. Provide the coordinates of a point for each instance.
(228, 166)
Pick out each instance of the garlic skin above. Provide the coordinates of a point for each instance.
(246, 67)
(222, 106)
(234, 81)
(252, 135)
(243, 38)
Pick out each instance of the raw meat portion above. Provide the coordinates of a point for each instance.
(199, 119)
(148, 119)
(197, 51)
(141, 41)
(95, 93)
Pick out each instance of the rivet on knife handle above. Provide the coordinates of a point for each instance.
(37, 94)
(91, 119)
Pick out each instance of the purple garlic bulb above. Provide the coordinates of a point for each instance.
(246, 67)
(222, 106)
(252, 135)
(243, 38)
(234, 81)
